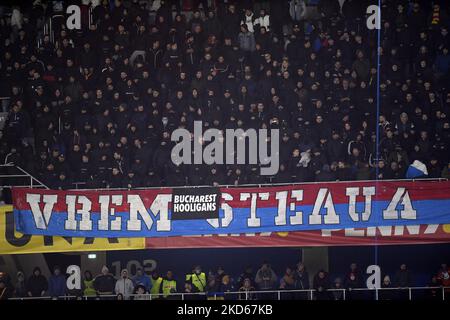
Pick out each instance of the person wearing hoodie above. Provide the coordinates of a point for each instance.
(266, 279)
(21, 286)
(57, 283)
(337, 293)
(124, 285)
(143, 279)
(37, 284)
(386, 293)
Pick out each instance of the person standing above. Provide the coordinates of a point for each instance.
(403, 280)
(321, 283)
(104, 283)
(156, 285)
(197, 278)
(5, 291)
(124, 285)
(37, 284)
(143, 279)
(168, 285)
(57, 284)
(20, 289)
(266, 279)
(88, 285)
(301, 278)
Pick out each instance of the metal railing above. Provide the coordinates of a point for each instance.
(309, 294)
(260, 185)
(18, 179)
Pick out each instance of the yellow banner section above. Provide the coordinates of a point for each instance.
(13, 242)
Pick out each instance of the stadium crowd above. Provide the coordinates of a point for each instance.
(217, 283)
(98, 105)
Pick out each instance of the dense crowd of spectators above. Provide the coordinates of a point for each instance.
(98, 105)
(217, 283)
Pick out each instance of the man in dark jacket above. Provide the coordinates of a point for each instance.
(403, 279)
(104, 283)
(37, 284)
(301, 278)
(321, 284)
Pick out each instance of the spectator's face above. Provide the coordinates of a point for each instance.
(57, 272)
(37, 272)
(124, 274)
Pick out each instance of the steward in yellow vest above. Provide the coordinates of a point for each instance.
(168, 285)
(156, 285)
(197, 278)
(88, 284)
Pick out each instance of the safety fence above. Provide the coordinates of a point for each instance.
(407, 293)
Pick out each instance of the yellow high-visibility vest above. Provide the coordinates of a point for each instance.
(198, 280)
(156, 286)
(168, 286)
(89, 289)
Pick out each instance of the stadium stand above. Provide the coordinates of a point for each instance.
(95, 107)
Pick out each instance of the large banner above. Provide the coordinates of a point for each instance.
(387, 235)
(148, 213)
(12, 242)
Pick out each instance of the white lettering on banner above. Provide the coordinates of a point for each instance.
(298, 218)
(159, 206)
(431, 229)
(137, 207)
(42, 219)
(228, 213)
(281, 196)
(106, 211)
(352, 193)
(280, 219)
(384, 231)
(74, 279)
(374, 280)
(85, 224)
(289, 210)
(330, 217)
(401, 197)
(254, 221)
